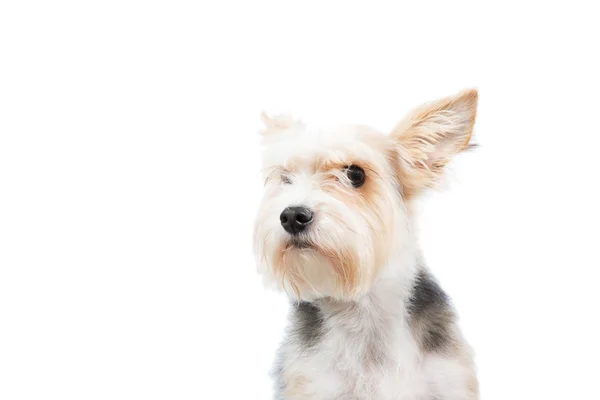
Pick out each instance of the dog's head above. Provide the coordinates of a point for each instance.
(335, 200)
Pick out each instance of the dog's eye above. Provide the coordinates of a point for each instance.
(286, 180)
(356, 175)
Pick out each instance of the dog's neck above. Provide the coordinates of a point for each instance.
(370, 324)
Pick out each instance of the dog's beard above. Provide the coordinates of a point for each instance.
(335, 263)
(310, 270)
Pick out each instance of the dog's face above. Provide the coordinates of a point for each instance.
(335, 200)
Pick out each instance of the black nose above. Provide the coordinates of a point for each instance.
(295, 219)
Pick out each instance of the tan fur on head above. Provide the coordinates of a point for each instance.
(430, 136)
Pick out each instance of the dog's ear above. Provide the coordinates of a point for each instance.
(278, 123)
(427, 139)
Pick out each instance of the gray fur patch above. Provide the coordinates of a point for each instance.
(431, 316)
(307, 323)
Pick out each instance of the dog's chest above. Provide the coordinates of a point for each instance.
(353, 356)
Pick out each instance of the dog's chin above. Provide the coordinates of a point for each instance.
(308, 270)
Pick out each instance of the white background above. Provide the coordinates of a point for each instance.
(129, 178)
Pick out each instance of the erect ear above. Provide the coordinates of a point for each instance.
(427, 139)
(278, 123)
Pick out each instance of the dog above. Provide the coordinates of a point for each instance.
(335, 232)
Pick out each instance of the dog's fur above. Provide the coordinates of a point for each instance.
(368, 321)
